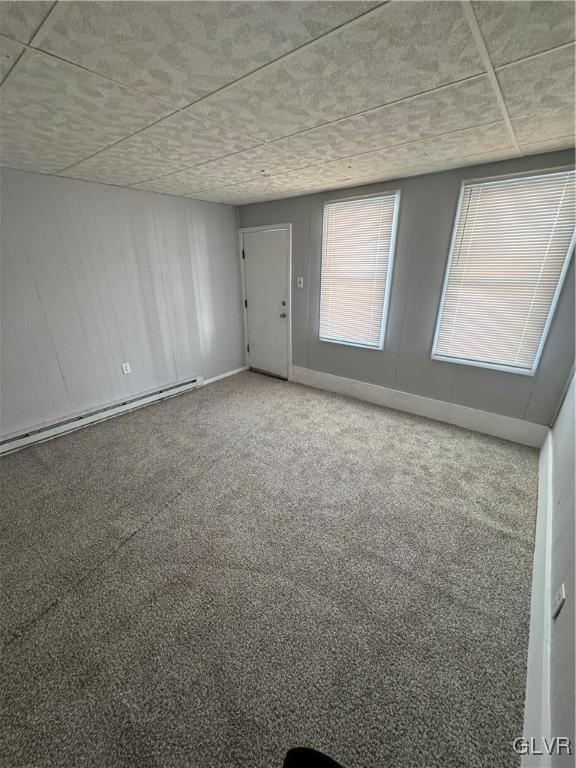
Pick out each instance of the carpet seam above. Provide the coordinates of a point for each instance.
(21, 631)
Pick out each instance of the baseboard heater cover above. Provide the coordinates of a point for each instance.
(13, 443)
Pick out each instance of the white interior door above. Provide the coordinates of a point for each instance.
(267, 292)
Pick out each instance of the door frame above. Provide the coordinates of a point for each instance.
(265, 228)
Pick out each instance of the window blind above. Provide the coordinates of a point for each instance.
(357, 253)
(510, 249)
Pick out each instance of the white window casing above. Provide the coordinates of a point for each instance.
(511, 246)
(358, 242)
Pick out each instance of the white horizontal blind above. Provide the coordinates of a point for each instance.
(509, 250)
(357, 253)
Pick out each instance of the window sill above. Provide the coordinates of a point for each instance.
(352, 344)
(480, 364)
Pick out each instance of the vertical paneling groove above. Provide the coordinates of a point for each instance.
(99, 263)
(94, 276)
(190, 247)
(100, 340)
(159, 249)
(71, 268)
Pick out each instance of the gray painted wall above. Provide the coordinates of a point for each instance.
(427, 210)
(93, 276)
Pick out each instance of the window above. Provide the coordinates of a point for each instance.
(510, 250)
(357, 253)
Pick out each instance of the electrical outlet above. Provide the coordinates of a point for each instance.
(126, 368)
(299, 282)
(558, 601)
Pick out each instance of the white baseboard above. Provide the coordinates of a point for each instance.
(225, 375)
(537, 722)
(516, 430)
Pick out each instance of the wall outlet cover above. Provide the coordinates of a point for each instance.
(126, 368)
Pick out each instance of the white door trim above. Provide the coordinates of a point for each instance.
(267, 228)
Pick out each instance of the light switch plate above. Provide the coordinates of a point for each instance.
(126, 368)
(299, 282)
(558, 601)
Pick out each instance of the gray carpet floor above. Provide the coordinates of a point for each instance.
(257, 565)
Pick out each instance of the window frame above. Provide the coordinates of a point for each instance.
(396, 193)
(567, 259)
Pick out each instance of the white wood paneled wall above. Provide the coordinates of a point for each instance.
(93, 276)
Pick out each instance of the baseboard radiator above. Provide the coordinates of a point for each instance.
(47, 432)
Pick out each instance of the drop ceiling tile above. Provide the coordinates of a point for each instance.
(233, 198)
(261, 161)
(171, 185)
(478, 158)
(236, 196)
(20, 20)
(541, 85)
(242, 198)
(317, 176)
(428, 165)
(314, 186)
(53, 114)
(9, 52)
(180, 51)
(529, 130)
(264, 160)
(514, 30)
(566, 142)
(312, 174)
(396, 51)
(447, 109)
(398, 160)
(109, 168)
(177, 142)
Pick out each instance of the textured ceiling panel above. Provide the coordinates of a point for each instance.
(20, 20)
(513, 30)
(262, 161)
(54, 114)
(272, 189)
(539, 86)
(529, 130)
(234, 196)
(239, 195)
(176, 184)
(396, 51)
(389, 161)
(384, 91)
(180, 51)
(250, 191)
(441, 111)
(312, 175)
(177, 142)
(430, 166)
(548, 146)
(9, 52)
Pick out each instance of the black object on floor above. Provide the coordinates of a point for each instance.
(303, 757)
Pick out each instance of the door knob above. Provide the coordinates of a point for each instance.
(283, 314)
